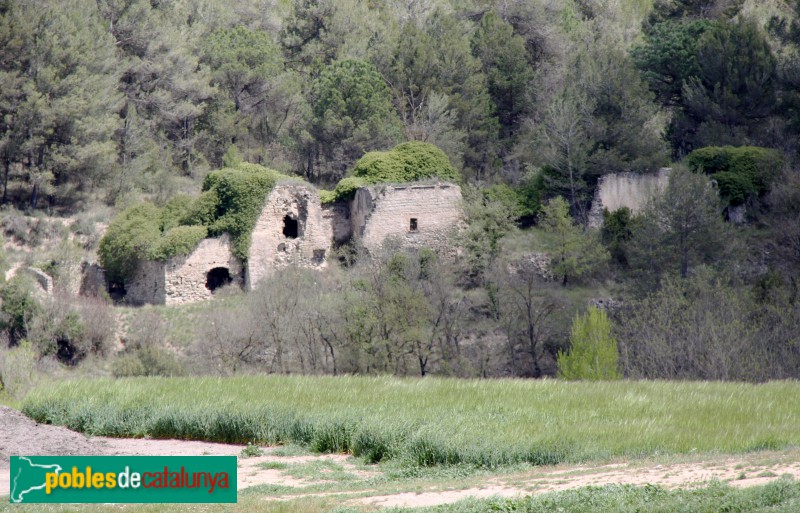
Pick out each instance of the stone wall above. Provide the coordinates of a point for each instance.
(187, 278)
(338, 215)
(421, 215)
(147, 285)
(93, 279)
(184, 279)
(618, 190)
(291, 229)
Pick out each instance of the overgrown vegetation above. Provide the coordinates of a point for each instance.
(527, 105)
(407, 162)
(741, 173)
(231, 201)
(435, 421)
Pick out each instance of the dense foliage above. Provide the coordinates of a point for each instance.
(407, 162)
(126, 107)
(231, 202)
(741, 173)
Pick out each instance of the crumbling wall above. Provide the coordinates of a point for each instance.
(420, 215)
(147, 285)
(93, 279)
(618, 190)
(183, 279)
(338, 215)
(277, 242)
(186, 278)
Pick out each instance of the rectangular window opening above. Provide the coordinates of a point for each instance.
(413, 225)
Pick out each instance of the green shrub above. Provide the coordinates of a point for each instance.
(251, 451)
(593, 353)
(128, 240)
(18, 308)
(203, 211)
(523, 201)
(407, 162)
(178, 241)
(175, 211)
(231, 202)
(422, 160)
(17, 369)
(146, 361)
(345, 189)
(127, 365)
(740, 172)
(617, 230)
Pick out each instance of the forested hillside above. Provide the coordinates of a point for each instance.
(109, 103)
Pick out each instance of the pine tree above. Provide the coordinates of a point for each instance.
(59, 120)
(573, 253)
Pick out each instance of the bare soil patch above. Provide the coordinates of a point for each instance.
(746, 470)
(20, 435)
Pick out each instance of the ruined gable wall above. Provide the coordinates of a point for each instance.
(384, 210)
(618, 190)
(270, 249)
(186, 277)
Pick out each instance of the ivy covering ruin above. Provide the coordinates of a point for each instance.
(231, 201)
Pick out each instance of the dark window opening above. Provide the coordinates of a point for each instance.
(217, 277)
(319, 256)
(116, 290)
(290, 227)
(413, 225)
(66, 352)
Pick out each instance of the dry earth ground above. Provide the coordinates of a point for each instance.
(281, 474)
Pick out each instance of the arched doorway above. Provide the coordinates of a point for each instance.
(218, 277)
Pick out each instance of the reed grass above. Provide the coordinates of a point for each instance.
(435, 421)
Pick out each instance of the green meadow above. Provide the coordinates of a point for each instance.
(427, 422)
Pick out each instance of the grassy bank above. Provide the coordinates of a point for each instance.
(779, 497)
(435, 421)
(782, 496)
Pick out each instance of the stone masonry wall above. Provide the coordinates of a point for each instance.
(271, 249)
(183, 279)
(625, 190)
(186, 277)
(388, 210)
(338, 215)
(147, 285)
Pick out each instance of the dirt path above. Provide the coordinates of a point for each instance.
(20, 435)
(747, 470)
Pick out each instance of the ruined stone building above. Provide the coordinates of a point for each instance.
(630, 190)
(295, 227)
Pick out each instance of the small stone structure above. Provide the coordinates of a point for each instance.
(185, 279)
(419, 214)
(290, 229)
(631, 190)
(294, 227)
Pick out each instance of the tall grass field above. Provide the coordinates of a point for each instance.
(435, 421)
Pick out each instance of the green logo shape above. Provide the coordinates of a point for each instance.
(123, 479)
